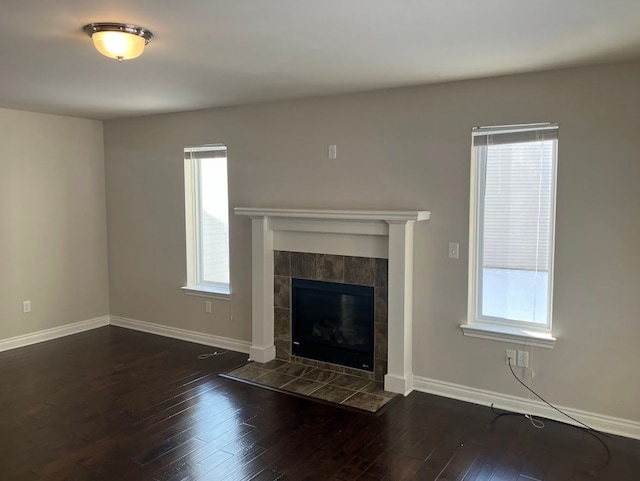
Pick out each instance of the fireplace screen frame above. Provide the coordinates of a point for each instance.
(302, 346)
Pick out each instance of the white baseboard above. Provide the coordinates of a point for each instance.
(53, 333)
(182, 334)
(262, 354)
(607, 424)
(399, 385)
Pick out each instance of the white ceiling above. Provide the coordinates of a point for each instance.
(209, 53)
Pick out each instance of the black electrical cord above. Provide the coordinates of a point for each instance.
(583, 427)
(592, 433)
(589, 428)
(504, 413)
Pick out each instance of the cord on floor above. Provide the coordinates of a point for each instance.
(551, 405)
(539, 424)
(211, 354)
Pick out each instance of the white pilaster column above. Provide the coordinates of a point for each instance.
(399, 377)
(262, 348)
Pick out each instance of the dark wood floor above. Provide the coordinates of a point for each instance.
(113, 404)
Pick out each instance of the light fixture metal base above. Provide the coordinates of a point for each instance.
(92, 28)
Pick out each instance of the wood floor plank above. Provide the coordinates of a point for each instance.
(114, 404)
(266, 475)
(287, 446)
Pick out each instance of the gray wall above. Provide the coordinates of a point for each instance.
(53, 240)
(408, 149)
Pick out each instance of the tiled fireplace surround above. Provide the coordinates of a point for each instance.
(359, 238)
(366, 271)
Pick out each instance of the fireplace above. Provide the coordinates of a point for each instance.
(333, 322)
(344, 233)
(323, 278)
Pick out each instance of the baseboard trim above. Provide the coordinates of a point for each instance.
(399, 385)
(182, 334)
(607, 424)
(53, 333)
(262, 354)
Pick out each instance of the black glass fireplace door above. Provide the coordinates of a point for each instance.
(333, 322)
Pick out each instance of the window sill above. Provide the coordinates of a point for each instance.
(204, 291)
(509, 334)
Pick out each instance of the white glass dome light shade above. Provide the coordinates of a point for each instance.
(118, 45)
(118, 40)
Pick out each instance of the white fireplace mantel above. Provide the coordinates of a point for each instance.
(353, 215)
(368, 233)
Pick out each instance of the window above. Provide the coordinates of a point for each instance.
(207, 220)
(512, 217)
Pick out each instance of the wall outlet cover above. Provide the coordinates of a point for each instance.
(510, 354)
(523, 359)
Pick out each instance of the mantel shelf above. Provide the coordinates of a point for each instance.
(390, 216)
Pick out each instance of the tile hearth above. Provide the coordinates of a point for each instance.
(316, 383)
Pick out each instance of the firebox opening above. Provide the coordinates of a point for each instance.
(333, 322)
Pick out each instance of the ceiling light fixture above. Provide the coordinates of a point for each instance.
(118, 40)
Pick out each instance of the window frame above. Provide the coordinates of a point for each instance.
(196, 285)
(494, 328)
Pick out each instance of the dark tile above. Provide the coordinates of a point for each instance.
(321, 375)
(334, 394)
(359, 270)
(281, 263)
(306, 362)
(381, 304)
(351, 382)
(274, 379)
(282, 323)
(302, 386)
(330, 268)
(382, 273)
(283, 349)
(366, 401)
(297, 370)
(248, 372)
(303, 265)
(330, 367)
(273, 364)
(381, 340)
(377, 388)
(360, 373)
(281, 292)
(380, 369)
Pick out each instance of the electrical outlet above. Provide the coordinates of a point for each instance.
(333, 151)
(26, 306)
(207, 307)
(523, 359)
(510, 354)
(453, 250)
